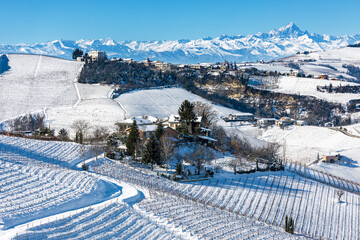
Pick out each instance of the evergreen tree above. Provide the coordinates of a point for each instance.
(77, 137)
(289, 225)
(81, 138)
(152, 152)
(178, 170)
(187, 115)
(159, 131)
(132, 140)
(77, 53)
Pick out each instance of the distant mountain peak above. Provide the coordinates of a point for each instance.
(290, 30)
(291, 26)
(280, 42)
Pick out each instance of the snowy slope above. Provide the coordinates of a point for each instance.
(162, 102)
(307, 86)
(304, 144)
(36, 82)
(34, 183)
(281, 42)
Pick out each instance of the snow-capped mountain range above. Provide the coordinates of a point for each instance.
(278, 43)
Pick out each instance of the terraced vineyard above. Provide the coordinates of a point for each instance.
(267, 197)
(38, 179)
(59, 153)
(32, 187)
(30, 192)
(114, 221)
(200, 221)
(324, 178)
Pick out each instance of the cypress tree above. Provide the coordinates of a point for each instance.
(77, 137)
(178, 169)
(159, 131)
(132, 140)
(187, 115)
(80, 137)
(152, 152)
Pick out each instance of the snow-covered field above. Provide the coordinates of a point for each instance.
(35, 183)
(97, 112)
(335, 58)
(266, 198)
(41, 197)
(162, 102)
(36, 82)
(307, 87)
(305, 143)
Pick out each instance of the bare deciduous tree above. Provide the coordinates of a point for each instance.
(98, 138)
(236, 163)
(206, 111)
(82, 150)
(81, 126)
(167, 147)
(198, 156)
(266, 154)
(339, 194)
(223, 141)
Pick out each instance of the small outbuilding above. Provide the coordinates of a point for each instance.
(331, 158)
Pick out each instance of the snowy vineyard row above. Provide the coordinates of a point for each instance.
(171, 190)
(113, 221)
(204, 222)
(324, 177)
(265, 197)
(60, 153)
(30, 190)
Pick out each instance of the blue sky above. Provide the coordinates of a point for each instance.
(40, 21)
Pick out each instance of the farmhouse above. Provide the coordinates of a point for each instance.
(294, 73)
(174, 121)
(284, 121)
(323, 76)
(239, 117)
(331, 158)
(264, 122)
(96, 55)
(146, 131)
(171, 133)
(127, 123)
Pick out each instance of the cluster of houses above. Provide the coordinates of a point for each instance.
(147, 126)
(92, 56)
(263, 122)
(282, 122)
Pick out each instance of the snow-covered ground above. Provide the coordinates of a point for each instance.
(97, 112)
(36, 82)
(36, 181)
(41, 198)
(303, 144)
(307, 87)
(162, 102)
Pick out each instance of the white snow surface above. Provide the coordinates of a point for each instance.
(305, 143)
(307, 86)
(36, 181)
(163, 102)
(36, 82)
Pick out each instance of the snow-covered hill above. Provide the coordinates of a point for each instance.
(35, 82)
(281, 42)
(163, 102)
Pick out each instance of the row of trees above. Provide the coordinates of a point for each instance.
(245, 154)
(339, 89)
